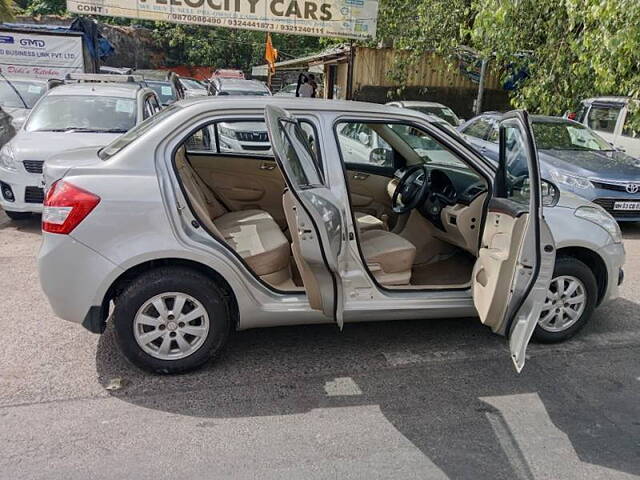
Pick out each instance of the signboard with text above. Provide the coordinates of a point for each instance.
(39, 55)
(322, 18)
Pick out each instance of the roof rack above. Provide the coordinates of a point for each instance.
(101, 77)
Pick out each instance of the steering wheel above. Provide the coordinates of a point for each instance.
(413, 192)
(442, 193)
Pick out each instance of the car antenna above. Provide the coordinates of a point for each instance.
(15, 90)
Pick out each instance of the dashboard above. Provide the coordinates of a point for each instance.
(454, 204)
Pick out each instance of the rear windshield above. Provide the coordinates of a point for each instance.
(135, 133)
(62, 113)
(192, 84)
(164, 90)
(444, 113)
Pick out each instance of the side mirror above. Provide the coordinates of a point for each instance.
(381, 156)
(364, 139)
(550, 193)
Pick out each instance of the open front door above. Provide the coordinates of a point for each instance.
(313, 214)
(517, 253)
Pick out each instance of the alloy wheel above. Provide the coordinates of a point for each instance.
(171, 326)
(564, 305)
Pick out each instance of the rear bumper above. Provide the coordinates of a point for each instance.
(26, 190)
(74, 296)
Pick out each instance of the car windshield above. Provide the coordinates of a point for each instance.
(136, 132)
(429, 150)
(83, 113)
(259, 93)
(20, 93)
(164, 90)
(192, 84)
(567, 136)
(444, 113)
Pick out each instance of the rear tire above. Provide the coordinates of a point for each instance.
(189, 343)
(17, 215)
(567, 270)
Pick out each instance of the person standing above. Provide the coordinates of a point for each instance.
(306, 90)
(314, 85)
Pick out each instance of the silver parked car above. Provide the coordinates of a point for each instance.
(430, 108)
(183, 245)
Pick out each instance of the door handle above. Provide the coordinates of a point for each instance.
(267, 166)
(360, 176)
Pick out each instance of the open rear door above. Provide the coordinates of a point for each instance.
(313, 214)
(517, 253)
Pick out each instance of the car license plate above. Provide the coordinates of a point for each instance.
(626, 206)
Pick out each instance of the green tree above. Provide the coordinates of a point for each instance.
(571, 49)
(6, 10)
(46, 7)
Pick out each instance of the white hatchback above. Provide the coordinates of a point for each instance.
(69, 116)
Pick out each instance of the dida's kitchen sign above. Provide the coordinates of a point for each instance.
(331, 18)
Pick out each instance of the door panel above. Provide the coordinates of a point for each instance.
(493, 271)
(517, 253)
(315, 217)
(243, 183)
(369, 192)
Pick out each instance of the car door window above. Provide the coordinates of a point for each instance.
(478, 129)
(360, 144)
(300, 155)
(628, 129)
(581, 113)
(517, 167)
(155, 104)
(149, 109)
(494, 134)
(242, 137)
(603, 118)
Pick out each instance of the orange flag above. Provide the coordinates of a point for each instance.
(270, 55)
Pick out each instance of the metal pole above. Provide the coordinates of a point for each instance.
(483, 71)
(349, 95)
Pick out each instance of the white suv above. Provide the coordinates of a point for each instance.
(68, 116)
(609, 116)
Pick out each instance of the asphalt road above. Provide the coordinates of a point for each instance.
(423, 400)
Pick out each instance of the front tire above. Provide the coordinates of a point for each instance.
(17, 215)
(570, 301)
(171, 320)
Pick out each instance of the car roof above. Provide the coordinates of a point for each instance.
(418, 103)
(124, 90)
(607, 99)
(297, 103)
(240, 83)
(534, 118)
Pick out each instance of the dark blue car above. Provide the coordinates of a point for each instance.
(573, 157)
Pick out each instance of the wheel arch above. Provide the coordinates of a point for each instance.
(592, 260)
(118, 285)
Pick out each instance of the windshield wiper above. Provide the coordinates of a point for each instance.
(90, 130)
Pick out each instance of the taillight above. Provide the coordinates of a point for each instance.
(65, 206)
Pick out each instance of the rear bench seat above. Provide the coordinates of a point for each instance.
(253, 234)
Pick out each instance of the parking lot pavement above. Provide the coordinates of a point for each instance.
(429, 400)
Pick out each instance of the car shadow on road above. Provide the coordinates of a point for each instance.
(447, 386)
(28, 225)
(630, 230)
